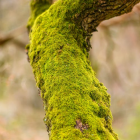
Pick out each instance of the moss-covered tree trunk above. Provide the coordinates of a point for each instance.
(77, 105)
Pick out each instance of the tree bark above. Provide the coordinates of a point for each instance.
(77, 105)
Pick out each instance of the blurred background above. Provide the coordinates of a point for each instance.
(115, 56)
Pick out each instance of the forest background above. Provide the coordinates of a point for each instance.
(115, 56)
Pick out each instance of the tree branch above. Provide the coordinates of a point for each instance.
(77, 105)
(100, 10)
(37, 8)
(93, 12)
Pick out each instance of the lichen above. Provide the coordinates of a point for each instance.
(69, 88)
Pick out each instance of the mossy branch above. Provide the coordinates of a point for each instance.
(77, 105)
(95, 11)
(37, 8)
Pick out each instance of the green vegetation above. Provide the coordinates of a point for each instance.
(37, 7)
(76, 103)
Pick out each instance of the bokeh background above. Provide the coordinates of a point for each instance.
(115, 56)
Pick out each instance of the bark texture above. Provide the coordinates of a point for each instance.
(77, 105)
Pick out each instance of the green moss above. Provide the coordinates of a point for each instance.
(69, 88)
(37, 8)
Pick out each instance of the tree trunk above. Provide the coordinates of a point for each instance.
(77, 105)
